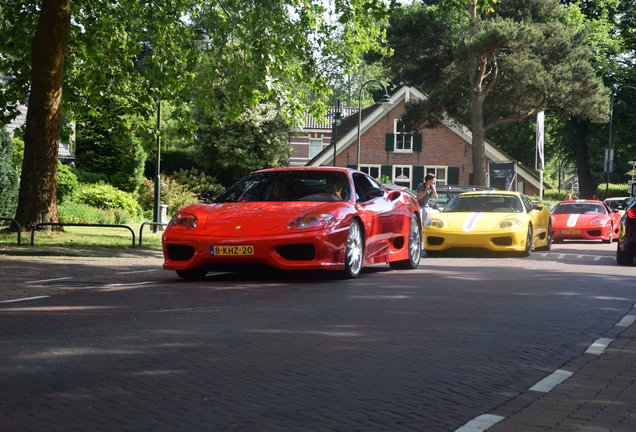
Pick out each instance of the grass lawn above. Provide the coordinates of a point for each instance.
(85, 237)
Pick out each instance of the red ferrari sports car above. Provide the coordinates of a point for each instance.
(297, 218)
(584, 219)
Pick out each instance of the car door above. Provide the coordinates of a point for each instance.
(377, 214)
(540, 219)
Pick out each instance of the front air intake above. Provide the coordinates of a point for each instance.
(297, 252)
(179, 252)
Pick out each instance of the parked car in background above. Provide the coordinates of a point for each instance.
(445, 193)
(297, 219)
(498, 221)
(626, 246)
(584, 219)
(619, 203)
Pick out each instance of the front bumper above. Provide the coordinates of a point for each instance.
(600, 232)
(294, 251)
(498, 241)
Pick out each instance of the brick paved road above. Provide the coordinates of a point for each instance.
(425, 350)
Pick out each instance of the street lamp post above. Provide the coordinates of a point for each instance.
(337, 121)
(157, 207)
(385, 99)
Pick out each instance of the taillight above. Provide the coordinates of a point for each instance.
(184, 221)
(631, 212)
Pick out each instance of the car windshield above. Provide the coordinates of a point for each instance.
(490, 203)
(319, 185)
(578, 208)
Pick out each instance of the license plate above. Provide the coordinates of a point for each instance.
(570, 231)
(232, 250)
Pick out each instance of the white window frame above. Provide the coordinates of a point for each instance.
(434, 169)
(401, 136)
(394, 176)
(368, 167)
(315, 143)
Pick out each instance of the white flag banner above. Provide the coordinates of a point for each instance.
(540, 138)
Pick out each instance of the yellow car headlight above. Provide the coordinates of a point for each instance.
(435, 223)
(509, 223)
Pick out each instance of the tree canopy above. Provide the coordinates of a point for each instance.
(496, 64)
(255, 52)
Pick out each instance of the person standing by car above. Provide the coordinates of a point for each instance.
(424, 192)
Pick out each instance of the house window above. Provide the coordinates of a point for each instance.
(441, 173)
(402, 175)
(403, 137)
(315, 146)
(371, 170)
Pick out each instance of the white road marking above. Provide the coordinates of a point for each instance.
(626, 321)
(129, 284)
(551, 381)
(24, 299)
(137, 271)
(481, 423)
(598, 346)
(48, 280)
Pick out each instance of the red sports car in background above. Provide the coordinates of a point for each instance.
(584, 219)
(297, 219)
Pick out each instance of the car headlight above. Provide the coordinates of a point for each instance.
(183, 221)
(435, 223)
(509, 223)
(597, 222)
(312, 220)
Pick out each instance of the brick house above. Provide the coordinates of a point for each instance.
(387, 149)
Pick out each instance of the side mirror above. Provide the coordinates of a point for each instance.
(537, 207)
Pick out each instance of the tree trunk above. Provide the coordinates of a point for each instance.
(477, 110)
(587, 188)
(38, 184)
(478, 142)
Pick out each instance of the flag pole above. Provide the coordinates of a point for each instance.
(540, 150)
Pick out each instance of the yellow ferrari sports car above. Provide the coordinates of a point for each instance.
(497, 221)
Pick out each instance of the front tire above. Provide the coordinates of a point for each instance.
(354, 251)
(623, 258)
(610, 238)
(548, 244)
(414, 247)
(528, 248)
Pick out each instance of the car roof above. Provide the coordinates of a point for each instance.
(581, 201)
(491, 192)
(321, 168)
(465, 188)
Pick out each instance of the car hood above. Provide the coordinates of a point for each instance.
(258, 218)
(572, 220)
(477, 221)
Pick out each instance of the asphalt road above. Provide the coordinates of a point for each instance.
(118, 344)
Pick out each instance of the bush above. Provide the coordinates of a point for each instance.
(67, 183)
(175, 195)
(73, 212)
(84, 176)
(172, 161)
(107, 197)
(9, 178)
(614, 190)
(197, 181)
(555, 195)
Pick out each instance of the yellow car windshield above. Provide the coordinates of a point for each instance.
(490, 203)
